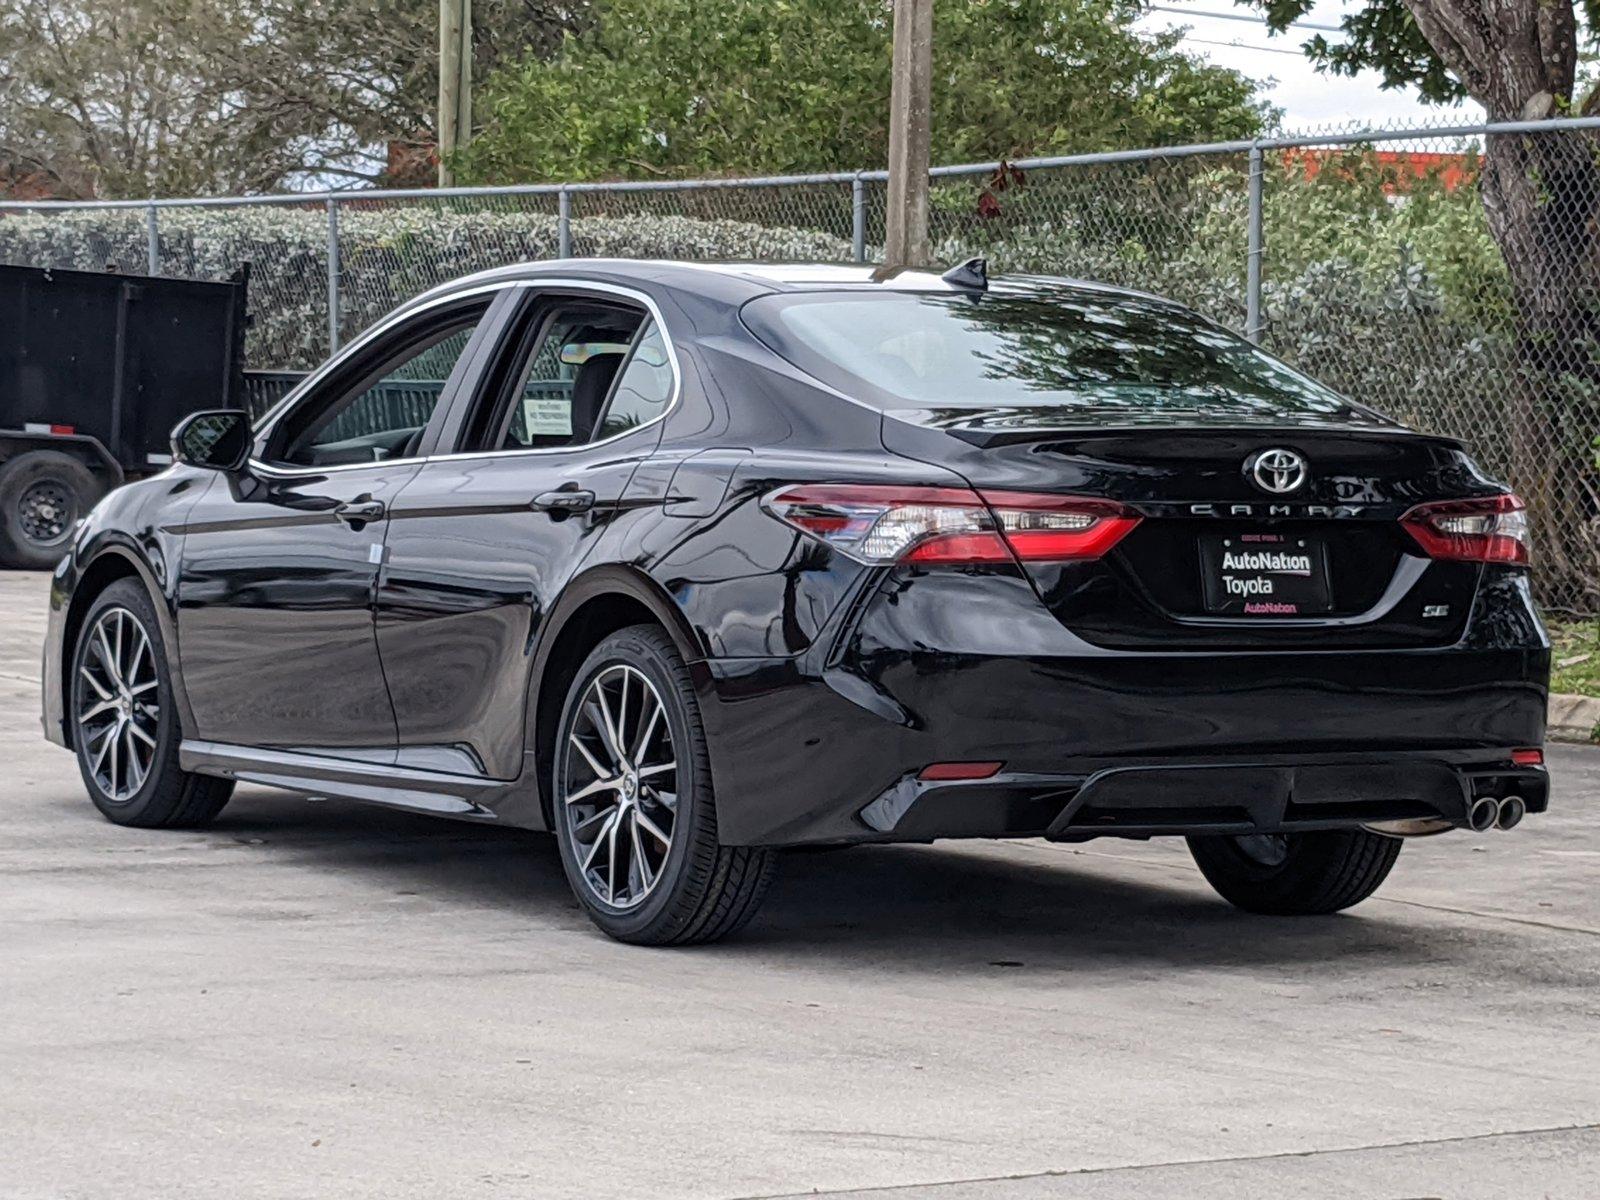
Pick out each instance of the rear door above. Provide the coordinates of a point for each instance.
(489, 532)
(280, 562)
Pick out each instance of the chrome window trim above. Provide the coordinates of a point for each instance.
(279, 410)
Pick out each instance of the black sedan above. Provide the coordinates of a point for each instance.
(687, 563)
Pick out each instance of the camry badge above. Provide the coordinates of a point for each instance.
(1277, 471)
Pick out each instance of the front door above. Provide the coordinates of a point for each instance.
(485, 538)
(280, 562)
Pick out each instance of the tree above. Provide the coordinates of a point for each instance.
(164, 97)
(727, 87)
(1540, 192)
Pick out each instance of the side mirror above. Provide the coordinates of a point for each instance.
(219, 441)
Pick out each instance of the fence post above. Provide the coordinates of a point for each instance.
(152, 241)
(564, 223)
(333, 275)
(858, 218)
(1252, 283)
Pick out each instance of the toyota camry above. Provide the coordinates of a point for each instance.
(687, 563)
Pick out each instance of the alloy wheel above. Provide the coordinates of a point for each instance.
(619, 794)
(118, 711)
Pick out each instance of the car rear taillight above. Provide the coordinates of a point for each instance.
(1493, 529)
(883, 524)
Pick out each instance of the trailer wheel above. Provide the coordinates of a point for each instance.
(43, 493)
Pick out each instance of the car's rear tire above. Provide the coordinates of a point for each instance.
(43, 494)
(127, 745)
(644, 861)
(1296, 874)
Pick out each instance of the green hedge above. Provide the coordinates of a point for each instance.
(387, 254)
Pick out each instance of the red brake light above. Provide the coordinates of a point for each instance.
(1493, 529)
(883, 524)
(946, 771)
(1528, 758)
(1044, 528)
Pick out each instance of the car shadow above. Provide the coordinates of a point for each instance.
(951, 907)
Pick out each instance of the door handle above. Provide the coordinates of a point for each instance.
(357, 513)
(564, 500)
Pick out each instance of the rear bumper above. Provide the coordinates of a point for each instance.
(827, 747)
(1270, 794)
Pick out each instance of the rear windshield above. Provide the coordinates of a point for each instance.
(1097, 357)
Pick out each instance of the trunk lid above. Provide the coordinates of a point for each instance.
(1353, 577)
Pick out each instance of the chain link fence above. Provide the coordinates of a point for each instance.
(1448, 276)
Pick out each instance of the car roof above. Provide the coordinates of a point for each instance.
(737, 282)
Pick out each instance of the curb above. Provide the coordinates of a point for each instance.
(1572, 718)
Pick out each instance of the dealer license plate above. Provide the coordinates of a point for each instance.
(1265, 575)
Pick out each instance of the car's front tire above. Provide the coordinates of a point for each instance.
(124, 719)
(634, 808)
(1296, 874)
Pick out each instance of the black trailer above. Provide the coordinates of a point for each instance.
(95, 370)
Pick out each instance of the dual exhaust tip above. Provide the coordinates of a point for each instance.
(1487, 813)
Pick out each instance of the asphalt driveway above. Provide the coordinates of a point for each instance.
(313, 998)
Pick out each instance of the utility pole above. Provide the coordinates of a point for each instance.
(910, 131)
(455, 82)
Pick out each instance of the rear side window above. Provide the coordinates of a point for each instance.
(541, 412)
(1094, 355)
(575, 370)
(644, 388)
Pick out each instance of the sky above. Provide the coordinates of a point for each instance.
(1310, 99)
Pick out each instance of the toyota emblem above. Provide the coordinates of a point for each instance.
(1277, 471)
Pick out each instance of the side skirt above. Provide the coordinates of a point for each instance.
(398, 787)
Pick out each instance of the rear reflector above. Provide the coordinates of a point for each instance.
(960, 770)
(1492, 529)
(1528, 758)
(884, 524)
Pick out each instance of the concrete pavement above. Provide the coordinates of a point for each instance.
(319, 999)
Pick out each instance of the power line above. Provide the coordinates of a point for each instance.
(1244, 46)
(1226, 16)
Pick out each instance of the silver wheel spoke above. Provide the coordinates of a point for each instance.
(592, 789)
(95, 709)
(600, 839)
(589, 758)
(130, 764)
(646, 879)
(94, 683)
(116, 760)
(611, 862)
(608, 727)
(622, 718)
(106, 738)
(144, 737)
(646, 731)
(592, 824)
(652, 828)
(667, 800)
(107, 659)
(661, 769)
(138, 655)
